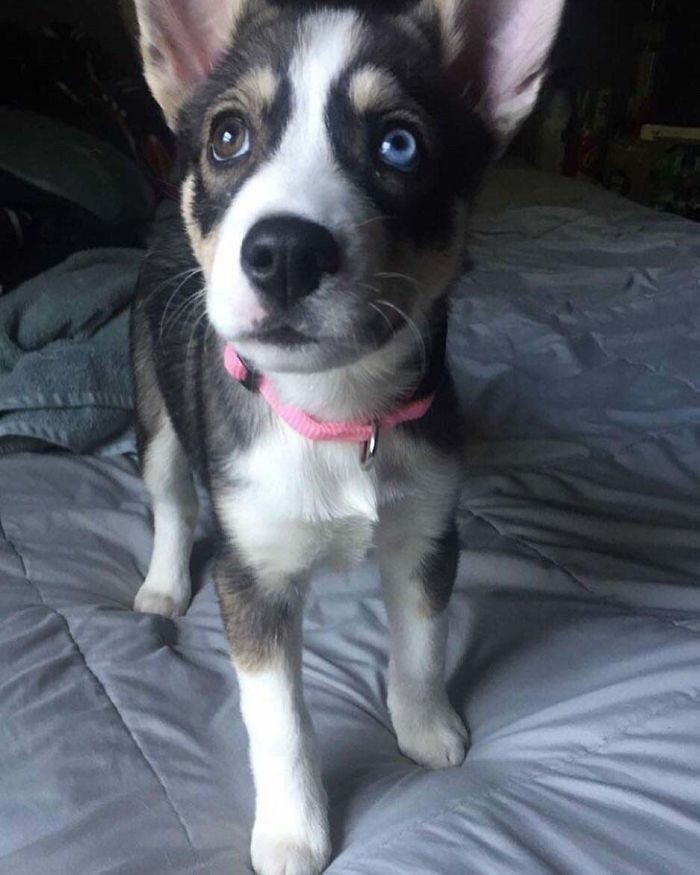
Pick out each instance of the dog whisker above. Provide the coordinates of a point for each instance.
(400, 276)
(185, 277)
(194, 330)
(413, 327)
(184, 310)
(388, 321)
(356, 226)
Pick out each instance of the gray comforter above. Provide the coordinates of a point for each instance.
(575, 628)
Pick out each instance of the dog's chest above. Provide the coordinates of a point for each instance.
(292, 477)
(305, 502)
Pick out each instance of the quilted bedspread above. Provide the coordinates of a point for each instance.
(575, 627)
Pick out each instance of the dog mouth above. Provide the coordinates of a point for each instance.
(280, 335)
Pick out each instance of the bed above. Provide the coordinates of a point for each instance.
(575, 627)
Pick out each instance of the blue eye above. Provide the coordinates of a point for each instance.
(399, 149)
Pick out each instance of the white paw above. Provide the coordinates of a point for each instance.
(273, 854)
(430, 734)
(172, 603)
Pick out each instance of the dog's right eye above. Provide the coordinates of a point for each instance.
(230, 139)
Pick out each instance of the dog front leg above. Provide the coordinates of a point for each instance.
(168, 478)
(418, 574)
(264, 630)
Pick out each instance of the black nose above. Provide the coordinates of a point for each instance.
(286, 257)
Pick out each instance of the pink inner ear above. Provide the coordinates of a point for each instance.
(189, 35)
(506, 49)
(522, 44)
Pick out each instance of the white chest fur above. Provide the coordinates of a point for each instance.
(299, 503)
(314, 481)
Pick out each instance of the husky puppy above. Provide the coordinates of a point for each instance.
(288, 337)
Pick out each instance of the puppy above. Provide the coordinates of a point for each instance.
(288, 338)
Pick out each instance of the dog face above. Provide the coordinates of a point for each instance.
(329, 156)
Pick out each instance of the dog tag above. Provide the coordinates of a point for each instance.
(369, 448)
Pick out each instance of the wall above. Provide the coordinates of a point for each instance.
(100, 18)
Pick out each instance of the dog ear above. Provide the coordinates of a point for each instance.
(181, 40)
(497, 52)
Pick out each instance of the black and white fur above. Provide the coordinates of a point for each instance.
(315, 86)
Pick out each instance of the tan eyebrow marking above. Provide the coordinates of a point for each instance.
(372, 88)
(260, 86)
(255, 91)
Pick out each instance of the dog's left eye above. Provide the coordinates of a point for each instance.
(230, 139)
(399, 149)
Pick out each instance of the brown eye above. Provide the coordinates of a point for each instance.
(230, 139)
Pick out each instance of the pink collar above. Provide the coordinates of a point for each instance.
(361, 432)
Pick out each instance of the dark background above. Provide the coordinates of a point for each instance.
(601, 41)
(599, 46)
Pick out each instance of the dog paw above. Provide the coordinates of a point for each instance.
(274, 855)
(168, 604)
(433, 736)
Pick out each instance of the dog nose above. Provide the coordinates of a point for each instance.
(286, 257)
